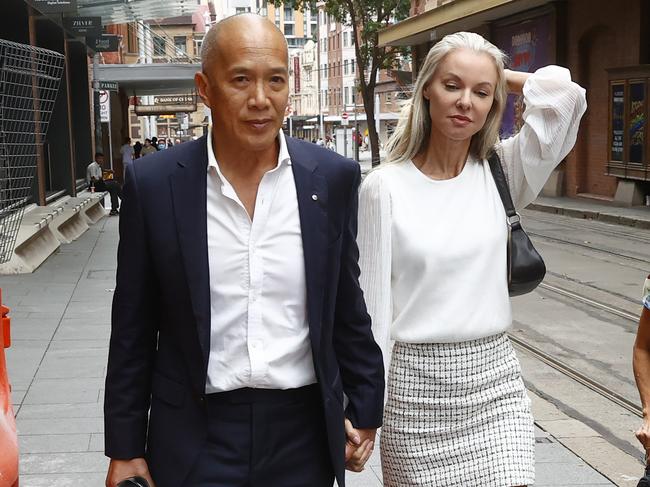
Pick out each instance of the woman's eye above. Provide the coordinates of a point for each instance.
(483, 94)
(450, 86)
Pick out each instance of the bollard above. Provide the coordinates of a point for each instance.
(8, 437)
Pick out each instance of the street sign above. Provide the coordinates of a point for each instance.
(104, 106)
(105, 85)
(344, 119)
(83, 26)
(103, 43)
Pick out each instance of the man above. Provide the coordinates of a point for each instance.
(95, 178)
(147, 148)
(127, 153)
(238, 317)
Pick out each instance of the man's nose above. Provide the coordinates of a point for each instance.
(258, 98)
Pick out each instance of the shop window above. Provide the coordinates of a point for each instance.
(627, 129)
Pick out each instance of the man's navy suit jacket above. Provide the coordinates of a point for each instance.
(155, 385)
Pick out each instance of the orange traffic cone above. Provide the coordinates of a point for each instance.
(8, 437)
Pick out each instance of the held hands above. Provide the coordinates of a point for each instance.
(358, 447)
(643, 435)
(119, 470)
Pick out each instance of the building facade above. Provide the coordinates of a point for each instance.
(605, 44)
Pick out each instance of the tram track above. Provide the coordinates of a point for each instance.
(570, 371)
(645, 261)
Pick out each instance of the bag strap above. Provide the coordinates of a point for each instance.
(502, 187)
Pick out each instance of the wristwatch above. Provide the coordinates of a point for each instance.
(133, 482)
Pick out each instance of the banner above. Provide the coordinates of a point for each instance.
(104, 43)
(54, 6)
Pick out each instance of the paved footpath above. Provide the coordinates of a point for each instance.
(60, 326)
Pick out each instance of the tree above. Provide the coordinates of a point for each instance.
(367, 17)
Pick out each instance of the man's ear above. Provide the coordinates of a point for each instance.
(202, 83)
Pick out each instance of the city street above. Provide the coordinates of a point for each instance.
(61, 319)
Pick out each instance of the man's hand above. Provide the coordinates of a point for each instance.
(119, 470)
(358, 447)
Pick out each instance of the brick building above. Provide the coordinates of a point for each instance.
(605, 44)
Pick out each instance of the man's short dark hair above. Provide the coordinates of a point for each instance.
(97, 154)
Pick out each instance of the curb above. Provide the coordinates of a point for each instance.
(592, 215)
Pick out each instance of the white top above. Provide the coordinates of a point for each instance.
(127, 153)
(258, 296)
(432, 252)
(94, 170)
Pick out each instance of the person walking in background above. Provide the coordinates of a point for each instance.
(95, 179)
(433, 239)
(154, 143)
(127, 153)
(137, 148)
(148, 148)
(238, 321)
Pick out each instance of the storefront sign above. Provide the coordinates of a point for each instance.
(618, 122)
(104, 43)
(83, 26)
(296, 74)
(637, 122)
(174, 100)
(54, 6)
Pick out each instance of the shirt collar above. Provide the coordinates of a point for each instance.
(283, 155)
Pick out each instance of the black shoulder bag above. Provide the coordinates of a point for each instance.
(526, 268)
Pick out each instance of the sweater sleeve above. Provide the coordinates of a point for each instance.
(374, 240)
(554, 107)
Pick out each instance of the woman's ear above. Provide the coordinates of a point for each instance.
(425, 91)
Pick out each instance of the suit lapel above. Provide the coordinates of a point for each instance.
(311, 189)
(189, 193)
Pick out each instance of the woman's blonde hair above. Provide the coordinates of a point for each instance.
(411, 135)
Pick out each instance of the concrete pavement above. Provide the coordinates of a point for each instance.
(60, 326)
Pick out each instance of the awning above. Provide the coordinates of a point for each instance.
(150, 79)
(451, 17)
(123, 11)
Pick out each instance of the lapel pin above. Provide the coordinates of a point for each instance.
(314, 197)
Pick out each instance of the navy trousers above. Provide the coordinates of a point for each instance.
(264, 438)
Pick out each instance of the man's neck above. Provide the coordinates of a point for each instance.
(237, 164)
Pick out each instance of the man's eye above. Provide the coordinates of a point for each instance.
(277, 79)
(240, 79)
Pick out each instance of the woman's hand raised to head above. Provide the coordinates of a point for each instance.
(515, 80)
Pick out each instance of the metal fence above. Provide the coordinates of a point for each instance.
(29, 82)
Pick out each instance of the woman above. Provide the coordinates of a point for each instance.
(641, 365)
(433, 240)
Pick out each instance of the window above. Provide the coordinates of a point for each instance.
(198, 44)
(277, 15)
(159, 46)
(347, 95)
(288, 29)
(180, 43)
(242, 10)
(288, 14)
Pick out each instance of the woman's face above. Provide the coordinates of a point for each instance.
(460, 94)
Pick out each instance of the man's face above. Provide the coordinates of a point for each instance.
(100, 160)
(246, 85)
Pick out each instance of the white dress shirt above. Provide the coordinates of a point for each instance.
(433, 252)
(94, 170)
(258, 297)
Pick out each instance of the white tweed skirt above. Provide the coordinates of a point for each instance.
(457, 414)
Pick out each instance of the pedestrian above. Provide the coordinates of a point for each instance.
(238, 321)
(96, 179)
(433, 239)
(170, 144)
(641, 365)
(127, 153)
(148, 148)
(154, 143)
(137, 148)
(320, 142)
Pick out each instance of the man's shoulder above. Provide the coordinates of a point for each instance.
(326, 158)
(163, 163)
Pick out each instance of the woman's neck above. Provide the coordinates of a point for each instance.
(443, 158)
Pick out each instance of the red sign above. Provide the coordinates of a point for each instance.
(344, 115)
(296, 74)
